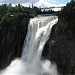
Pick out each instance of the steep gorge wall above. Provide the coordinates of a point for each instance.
(60, 48)
(11, 41)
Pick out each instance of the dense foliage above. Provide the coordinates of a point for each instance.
(18, 8)
(68, 13)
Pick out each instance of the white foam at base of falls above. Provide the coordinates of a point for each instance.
(39, 30)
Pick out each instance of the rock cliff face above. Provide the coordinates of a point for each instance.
(11, 42)
(60, 48)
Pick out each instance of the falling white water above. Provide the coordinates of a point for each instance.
(39, 30)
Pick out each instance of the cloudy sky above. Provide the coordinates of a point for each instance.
(38, 3)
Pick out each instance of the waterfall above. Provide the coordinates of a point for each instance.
(39, 30)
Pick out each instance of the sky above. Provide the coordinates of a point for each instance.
(38, 3)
